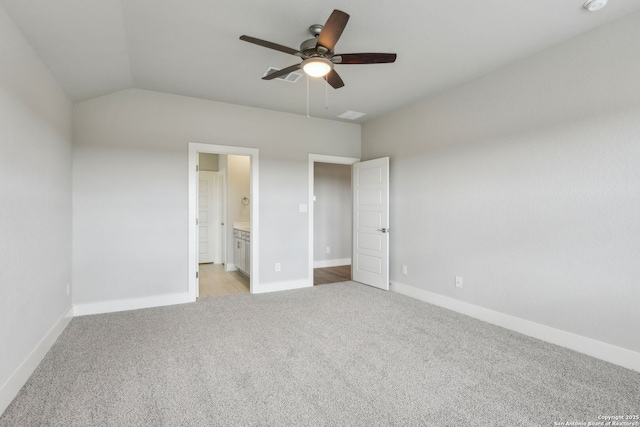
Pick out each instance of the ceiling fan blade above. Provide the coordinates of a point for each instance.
(364, 58)
(332, 30)
(270, 45)
(282, 72)
(334, 79)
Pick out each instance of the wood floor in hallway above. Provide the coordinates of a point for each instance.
(322, 276)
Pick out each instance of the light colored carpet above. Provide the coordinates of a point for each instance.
(341, 354)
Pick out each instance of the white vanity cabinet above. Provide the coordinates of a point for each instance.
(242, 250)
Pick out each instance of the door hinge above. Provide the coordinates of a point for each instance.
(197, 223)
(196, 274)
(197, 168)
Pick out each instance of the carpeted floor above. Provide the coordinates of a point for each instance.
(341, 354)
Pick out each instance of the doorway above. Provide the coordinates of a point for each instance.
(330, 218)
(245, 215)
(217, 273)
(370, 216)
(332, 212)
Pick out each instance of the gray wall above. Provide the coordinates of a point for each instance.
(332, 212)
(35, 189)
(526, 183)
(130, 187)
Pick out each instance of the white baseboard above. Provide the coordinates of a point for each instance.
(598, 349)
(282, 286)
(10, 389)
(131, 304)
(331, 263)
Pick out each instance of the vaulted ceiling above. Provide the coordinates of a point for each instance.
(192, 47)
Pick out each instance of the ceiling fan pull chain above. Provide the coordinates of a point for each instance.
(326, 93)
(308, 116)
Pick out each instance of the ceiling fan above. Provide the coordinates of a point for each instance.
(318, 55)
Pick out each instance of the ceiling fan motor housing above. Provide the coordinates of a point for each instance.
(308, 48)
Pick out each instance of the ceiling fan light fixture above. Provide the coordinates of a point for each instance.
(317, 67)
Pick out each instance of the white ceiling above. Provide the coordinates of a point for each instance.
(191, 47)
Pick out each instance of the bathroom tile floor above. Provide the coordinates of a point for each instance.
(216, 282)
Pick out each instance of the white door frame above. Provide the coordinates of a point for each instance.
(323, 159)
(253, 153)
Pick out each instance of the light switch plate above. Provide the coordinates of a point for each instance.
(303, 208)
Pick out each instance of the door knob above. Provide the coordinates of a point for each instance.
(384, 230)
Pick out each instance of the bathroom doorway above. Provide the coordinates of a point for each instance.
(224, 259)
(230, 273)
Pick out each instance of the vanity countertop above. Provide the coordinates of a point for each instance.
(242, 226)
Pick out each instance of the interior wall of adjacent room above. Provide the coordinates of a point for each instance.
(130, 189)
(526, 184)
(238, 187)
(35, 183)
(209, 162)
(332, 213)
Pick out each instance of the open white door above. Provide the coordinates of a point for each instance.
(207, 218)
(370, 261)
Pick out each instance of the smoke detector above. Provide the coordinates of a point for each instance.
(595, 5)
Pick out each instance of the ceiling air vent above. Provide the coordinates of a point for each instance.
(351, 115)
(291, 77)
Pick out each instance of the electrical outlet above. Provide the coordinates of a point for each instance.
(404, 270)
(458, 282)
(328, 249)
(278, 266)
